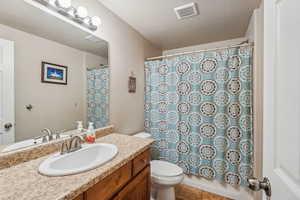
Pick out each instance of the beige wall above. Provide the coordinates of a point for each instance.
(206, 46)
(250, 33)
(127, 52)
(93, 61)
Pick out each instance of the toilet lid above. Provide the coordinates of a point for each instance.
(143, 135)
(163, 168)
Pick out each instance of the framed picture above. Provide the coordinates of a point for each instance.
(132, 84)
(55, 74)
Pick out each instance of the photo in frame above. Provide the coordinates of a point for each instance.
(54, 73)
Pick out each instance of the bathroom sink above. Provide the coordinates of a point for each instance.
(25, 144)
(88, 157)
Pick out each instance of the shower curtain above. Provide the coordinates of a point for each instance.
(98, 96)
(198, 109)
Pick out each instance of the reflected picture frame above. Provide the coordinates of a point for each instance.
(54, 73)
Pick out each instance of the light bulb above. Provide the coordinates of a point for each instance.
(71, 11)
(81, 12)
(63, 3)
(96, 21)
(87, 20)
(52, 2)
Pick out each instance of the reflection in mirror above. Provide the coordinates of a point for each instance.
(58, 79)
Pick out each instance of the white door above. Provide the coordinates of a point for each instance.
(281, 156)
(7, 92)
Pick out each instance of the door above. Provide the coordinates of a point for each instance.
(281, 151)
(7, 92)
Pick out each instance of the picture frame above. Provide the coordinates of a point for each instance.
(54, 73)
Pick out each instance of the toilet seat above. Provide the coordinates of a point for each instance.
(165, 173)
(161, 168)
(167, 181)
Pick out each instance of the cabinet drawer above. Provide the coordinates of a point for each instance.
(140, 162)
(106, 188)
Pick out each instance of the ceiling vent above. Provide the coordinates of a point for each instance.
(186, 11)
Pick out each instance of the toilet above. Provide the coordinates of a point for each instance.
(164, 177)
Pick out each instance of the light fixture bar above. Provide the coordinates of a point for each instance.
(71, 13)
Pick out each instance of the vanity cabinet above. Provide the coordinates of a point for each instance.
(131, 182)
(138, 189)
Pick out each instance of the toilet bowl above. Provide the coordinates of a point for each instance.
(164, 177)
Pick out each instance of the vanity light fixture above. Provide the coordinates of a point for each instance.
(78, 15)
(96, 21)
(81, 12)
(71, 12)
(52, 2)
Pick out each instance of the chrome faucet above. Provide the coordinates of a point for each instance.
(48, 133)
(75, 143)
(71, 145)
(44, 139)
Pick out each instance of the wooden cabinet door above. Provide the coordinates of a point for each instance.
(80, 197)
(140, 162)
(109, 186)
(138, 188)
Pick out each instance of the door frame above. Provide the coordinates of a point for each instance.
(9, 91)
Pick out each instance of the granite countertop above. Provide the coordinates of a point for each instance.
(23, 182)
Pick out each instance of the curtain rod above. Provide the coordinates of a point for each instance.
(98, 67)
(199, 51)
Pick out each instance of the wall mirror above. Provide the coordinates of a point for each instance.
(52, 74)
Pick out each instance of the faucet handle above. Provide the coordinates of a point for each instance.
(65, 148)
(45, 139)
(49, 133)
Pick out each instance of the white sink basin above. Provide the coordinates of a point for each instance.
(87, 158)
(25, 144)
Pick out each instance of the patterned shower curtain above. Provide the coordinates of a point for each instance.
(198, 108)
(98, 96)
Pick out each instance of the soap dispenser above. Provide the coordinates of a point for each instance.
(79, 127)
(91, 133)
(91, 130)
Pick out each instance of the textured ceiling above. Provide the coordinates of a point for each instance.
(156, 20)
